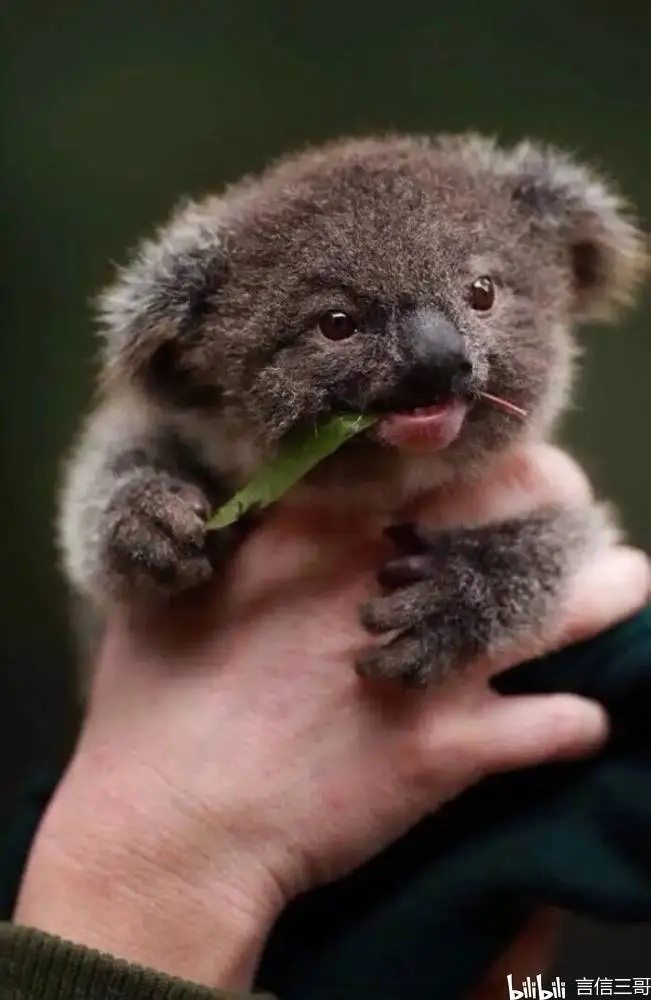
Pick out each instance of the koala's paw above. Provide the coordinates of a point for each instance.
(435, 602)
(155, 541)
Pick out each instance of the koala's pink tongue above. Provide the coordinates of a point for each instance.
(429, 428)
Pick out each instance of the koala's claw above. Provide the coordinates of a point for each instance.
(404, 608)
(409, 537)
(156, 538)
(426, 605)
(420, 654)
(430, 640)
(406, 659)
(404, 570)
(423, 551)
(415, 583)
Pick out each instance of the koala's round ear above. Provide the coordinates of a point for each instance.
(162, 294)
(606, 249)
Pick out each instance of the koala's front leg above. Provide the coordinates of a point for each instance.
(457, 593)
(133, 512)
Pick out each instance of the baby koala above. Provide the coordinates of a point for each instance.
(410, 277)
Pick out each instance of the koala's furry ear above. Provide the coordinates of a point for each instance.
(567, 201)
(161, 295)
(606, 248)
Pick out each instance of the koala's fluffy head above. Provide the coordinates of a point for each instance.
(335, 279)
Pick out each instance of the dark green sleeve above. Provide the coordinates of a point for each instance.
(37, 966)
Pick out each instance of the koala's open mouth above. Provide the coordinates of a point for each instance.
(425, 428)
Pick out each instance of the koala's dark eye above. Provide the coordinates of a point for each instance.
(337, 325)
(482, 293)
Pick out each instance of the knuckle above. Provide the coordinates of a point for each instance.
(434, 761)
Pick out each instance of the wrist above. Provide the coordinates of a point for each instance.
(121, 880)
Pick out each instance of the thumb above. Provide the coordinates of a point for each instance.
(512, 732)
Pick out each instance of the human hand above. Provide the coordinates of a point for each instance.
(231, 758)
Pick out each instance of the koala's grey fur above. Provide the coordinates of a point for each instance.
(211, 354)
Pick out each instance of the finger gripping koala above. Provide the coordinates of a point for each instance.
(404, 276)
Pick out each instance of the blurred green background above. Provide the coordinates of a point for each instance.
(112, 109)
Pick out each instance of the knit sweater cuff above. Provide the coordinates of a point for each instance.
(39, 966)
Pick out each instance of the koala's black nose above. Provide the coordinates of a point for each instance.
(436, 360)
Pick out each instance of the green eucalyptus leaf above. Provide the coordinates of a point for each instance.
(297, 455)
